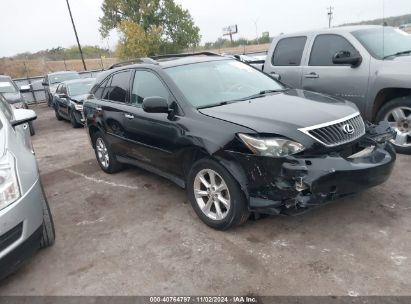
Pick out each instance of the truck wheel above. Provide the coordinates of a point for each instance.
(48, 237)
(105, 155)
(215, 195)
(398, 113)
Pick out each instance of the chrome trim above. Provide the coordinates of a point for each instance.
(327, 124)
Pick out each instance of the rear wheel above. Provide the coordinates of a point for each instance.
(215, 195)
(105, 155)
(398, 113)
(73, 120)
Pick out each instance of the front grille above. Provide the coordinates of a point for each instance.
(10, 236)
(337, 132)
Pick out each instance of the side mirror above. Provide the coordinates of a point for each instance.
(45, 83)
(155, 104)
(345, 57)
(22, 116)
(25, 88)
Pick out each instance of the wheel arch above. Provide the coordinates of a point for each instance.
(386, 95)
(91, 131)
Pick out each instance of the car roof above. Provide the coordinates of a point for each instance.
(163, 62)
(5, 77)
(62, 72)
(340, 29)
(79, 80)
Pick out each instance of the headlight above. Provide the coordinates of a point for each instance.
(78, 107)
(274, 147)
(19, 105)
(9, 186)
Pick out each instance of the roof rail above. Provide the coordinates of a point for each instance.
(184, 55)
(133, 61)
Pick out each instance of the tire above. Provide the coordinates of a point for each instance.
(402, 105)
(57, 114)
(235, 215)
(31, 127)
(49, 99)
(73, 120)
(49, 234)
(113, 165)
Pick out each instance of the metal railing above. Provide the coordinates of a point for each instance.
(37, 93)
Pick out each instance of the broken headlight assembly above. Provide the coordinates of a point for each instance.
(271, 146)
(9, 186)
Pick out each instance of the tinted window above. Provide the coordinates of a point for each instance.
(147, 84)
(326, 46)
(6, 109)
(100, 89)
(289, 51)
(118, 88)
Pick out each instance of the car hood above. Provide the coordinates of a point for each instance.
(283, 113)
(79, 98)
(12, 97)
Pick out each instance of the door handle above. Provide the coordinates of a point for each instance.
(129, 116)
(312, 75)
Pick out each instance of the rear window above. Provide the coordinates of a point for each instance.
(57, 78)
(6, 86)
(289, 51)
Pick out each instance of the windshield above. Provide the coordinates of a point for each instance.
(57, 78)
(210, 83)
(80, 88)
(6, 86)
(385, 41)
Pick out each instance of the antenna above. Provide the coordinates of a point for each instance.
(330, 15)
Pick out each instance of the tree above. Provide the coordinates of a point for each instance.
(149, 26)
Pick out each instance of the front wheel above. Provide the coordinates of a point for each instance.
(56, 112)
(49, 234)
(216, 196)
(398, 113)
(105, 155)
(73, 120)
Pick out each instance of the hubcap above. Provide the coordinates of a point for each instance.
(212, 194)
(400, 121)
(102, 153)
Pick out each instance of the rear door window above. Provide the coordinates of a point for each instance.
(326, 46)
(118, 88)
(289, 51)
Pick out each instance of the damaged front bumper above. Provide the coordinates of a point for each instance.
(295, 183)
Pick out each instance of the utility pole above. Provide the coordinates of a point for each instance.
(330, 15)
(75, 32)
(256, 30)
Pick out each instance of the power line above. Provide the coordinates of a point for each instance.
(75, 32)
(330, 15)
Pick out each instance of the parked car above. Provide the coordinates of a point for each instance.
(368, 65)
(26, 223)
(256, 61)
(13, 96)
(68, 100)
(52, 80)
(237, 140)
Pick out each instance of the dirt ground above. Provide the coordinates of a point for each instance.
(134, 233)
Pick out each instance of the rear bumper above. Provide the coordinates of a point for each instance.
(293, 183)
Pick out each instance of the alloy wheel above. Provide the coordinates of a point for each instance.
(102, 153)
(212, 194)
(400, 120)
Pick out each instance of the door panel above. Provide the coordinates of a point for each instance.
(343, 81)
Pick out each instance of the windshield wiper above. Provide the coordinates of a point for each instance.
(222, 103)
(398, 54)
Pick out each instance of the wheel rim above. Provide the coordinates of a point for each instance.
(212, 194)
(400, 120)
(102, 153)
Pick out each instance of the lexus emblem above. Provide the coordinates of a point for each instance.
(348, 129)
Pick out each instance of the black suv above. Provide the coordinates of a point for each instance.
(237, 139)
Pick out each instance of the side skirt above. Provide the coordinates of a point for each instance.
(175, 179)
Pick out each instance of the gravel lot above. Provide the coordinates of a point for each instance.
(134, 233)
